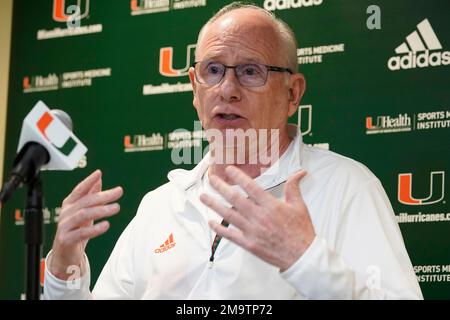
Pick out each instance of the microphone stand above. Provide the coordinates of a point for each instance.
(33, 236)
(27, 166)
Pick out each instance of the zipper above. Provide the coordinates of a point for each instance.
(218, 238)
(215, 244)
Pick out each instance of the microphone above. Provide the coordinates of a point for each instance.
(46, 143)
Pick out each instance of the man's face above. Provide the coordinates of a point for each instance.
(243, 36)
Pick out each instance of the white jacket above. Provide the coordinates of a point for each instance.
(164, 252)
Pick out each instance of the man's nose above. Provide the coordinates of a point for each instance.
(230, 88)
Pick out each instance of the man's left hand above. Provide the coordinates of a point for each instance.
(278, 232)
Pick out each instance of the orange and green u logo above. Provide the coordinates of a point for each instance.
(166, 62)
(43, 124)
(59, 10)
(436, 192)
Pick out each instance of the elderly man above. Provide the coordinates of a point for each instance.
(307, 224)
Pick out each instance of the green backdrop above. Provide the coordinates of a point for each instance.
(366, 98)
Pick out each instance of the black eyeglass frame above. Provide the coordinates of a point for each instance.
(268, 67)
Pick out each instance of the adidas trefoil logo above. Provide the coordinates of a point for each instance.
(423, 40)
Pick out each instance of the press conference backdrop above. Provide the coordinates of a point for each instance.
(377, 91)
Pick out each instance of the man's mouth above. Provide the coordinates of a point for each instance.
(231, 116)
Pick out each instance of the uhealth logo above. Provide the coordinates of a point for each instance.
(436, 190)
(149, 6)
(423, 40)
(48, 215)
(154, 6)
(40, 83)
(66, 80)
(388, 124)
(141, 142)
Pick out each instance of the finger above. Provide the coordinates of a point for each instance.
(255, 192)
(86, 233)
(229, 214)
(239, 201)
(292, 188)
(83, 187)
(231, 234)
(97, 187)
(85, 216)
(96, 199)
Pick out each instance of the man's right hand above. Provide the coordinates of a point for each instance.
(85, 204)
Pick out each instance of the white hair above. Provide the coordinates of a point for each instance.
(286, 34)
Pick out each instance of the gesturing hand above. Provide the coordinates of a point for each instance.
(85, 204)
(276, 231)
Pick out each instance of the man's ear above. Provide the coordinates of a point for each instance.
(194, 85)
(297, 86)
(192, 78)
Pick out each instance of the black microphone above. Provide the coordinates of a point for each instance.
(26, 166)
(46, 143)
(32, 156)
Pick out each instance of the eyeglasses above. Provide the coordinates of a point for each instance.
(248, 75)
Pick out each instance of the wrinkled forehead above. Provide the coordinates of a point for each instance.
(244, 32)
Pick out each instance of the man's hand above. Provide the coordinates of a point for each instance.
(85, 204)
(278, 232)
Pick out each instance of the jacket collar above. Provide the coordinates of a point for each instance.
(278, 173)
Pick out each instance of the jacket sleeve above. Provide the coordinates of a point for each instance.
(114, 282)
(366, 260)
(75, 288)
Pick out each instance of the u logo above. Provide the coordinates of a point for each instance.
(436, 189)
(60, 12)
(166, 62)
(305, 119)
(369, 124)
(64, 144)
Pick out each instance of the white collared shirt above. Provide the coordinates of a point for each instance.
(358, 251)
